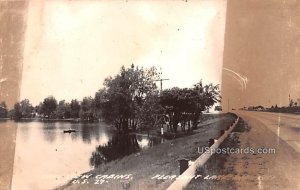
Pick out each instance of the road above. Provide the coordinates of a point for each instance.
(269, 171)
(285, 126)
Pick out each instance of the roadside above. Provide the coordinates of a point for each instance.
(277, 168)
(155, 168)
(205, 120)
(284, 126)
(217, 173)
(267, 171)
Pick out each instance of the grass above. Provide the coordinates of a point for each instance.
(215, 166)
(158, 160)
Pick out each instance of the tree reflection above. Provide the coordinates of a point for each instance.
(119, 146)
(91, 131)
(49, 131)
(86, 133)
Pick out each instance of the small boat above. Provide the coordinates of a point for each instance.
(69, 131)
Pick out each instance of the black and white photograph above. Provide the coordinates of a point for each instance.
(149, 94)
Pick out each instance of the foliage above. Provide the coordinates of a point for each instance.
(74, 108)
(38, 108)
(150, 113)
(118, 147)
(63, 110)
(23, 109)
(99, 102)
(129, 100)
(122, 96)
(188, 103)
(87, 109)
(292, 103)
(17, 113)
(289, 109)
(49, 106)
(3, 110)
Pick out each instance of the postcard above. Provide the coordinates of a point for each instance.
(136, 95)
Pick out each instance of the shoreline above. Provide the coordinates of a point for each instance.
(152, 168)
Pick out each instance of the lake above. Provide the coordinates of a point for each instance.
(46, 157)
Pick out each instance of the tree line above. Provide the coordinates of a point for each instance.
(50, 108)
(129, 101)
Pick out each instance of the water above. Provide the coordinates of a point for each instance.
(46, 157)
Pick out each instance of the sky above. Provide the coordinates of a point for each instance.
(72, 46)
(261, 46)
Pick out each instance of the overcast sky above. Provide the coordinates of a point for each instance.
(262, 47)
(71, 47)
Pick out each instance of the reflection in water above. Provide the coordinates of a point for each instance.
(46, 157)
(49, 131)
(145, 143)
(86, 134)
(25, 131)
(120, 146)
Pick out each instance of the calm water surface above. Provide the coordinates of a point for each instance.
(46, 157)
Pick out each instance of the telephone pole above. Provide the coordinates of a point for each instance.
(161, 81)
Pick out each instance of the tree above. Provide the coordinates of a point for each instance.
(17, 114)
(3, 110)
(188, 103)
(87, 109)
(67, 113)
(150, 113)
(23, 109)
(74, 108)
(61, 109)
(26, 108)
(179, 103)
(99, 101)
(49, 106)
(123, 95)
(11, 114)
(38, 108)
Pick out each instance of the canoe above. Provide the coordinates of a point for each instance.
(69, 131)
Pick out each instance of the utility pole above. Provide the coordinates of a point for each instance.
(162, 125)
(161, 80)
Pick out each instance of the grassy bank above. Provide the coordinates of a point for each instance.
(143, 168)
(216, 174)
